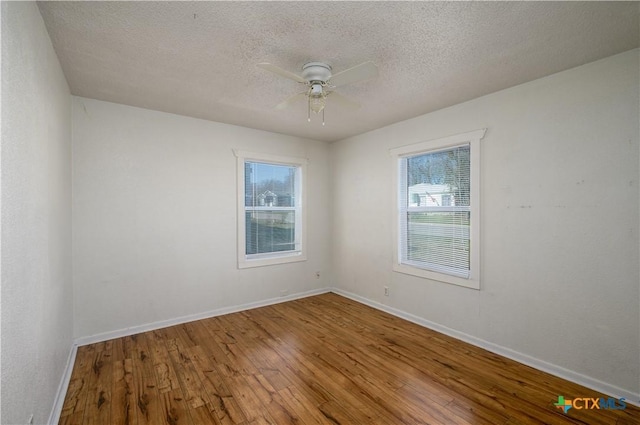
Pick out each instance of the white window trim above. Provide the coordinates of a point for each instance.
(473, 139)
(268, 259)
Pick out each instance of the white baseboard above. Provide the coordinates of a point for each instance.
(58, 402)
(192, 317)
(569, 375)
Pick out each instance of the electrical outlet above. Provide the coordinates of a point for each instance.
(386, 291)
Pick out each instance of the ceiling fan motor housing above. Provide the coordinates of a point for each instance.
(316, 90)
(316, 71)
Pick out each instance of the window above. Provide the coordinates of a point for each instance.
(437, 209)
(270, 209)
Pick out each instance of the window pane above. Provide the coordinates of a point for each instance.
(269, 185)
(270, 231)
(439, 179)
(435, 211)
(439, 240)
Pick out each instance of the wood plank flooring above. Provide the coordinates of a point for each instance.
(319, 360)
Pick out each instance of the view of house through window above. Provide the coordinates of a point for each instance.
(270, 207)
(436, 211)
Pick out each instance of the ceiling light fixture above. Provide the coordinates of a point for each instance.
(316, 100)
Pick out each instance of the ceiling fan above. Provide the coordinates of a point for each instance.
(317, 77)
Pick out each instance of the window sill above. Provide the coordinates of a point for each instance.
(439, 277)
(270, 261)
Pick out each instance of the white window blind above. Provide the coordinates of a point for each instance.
(435, 211)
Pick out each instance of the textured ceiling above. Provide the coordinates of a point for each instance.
(199, 58)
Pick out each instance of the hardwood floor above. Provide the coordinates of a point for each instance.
(319, 360)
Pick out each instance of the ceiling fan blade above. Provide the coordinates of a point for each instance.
(291, 99)
(361, 72)
(339, 99)
(281, 72)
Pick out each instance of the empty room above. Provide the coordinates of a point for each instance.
(320, 213)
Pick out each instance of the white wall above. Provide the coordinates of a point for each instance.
(37, 310)
(154, 217)
(560, 247)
